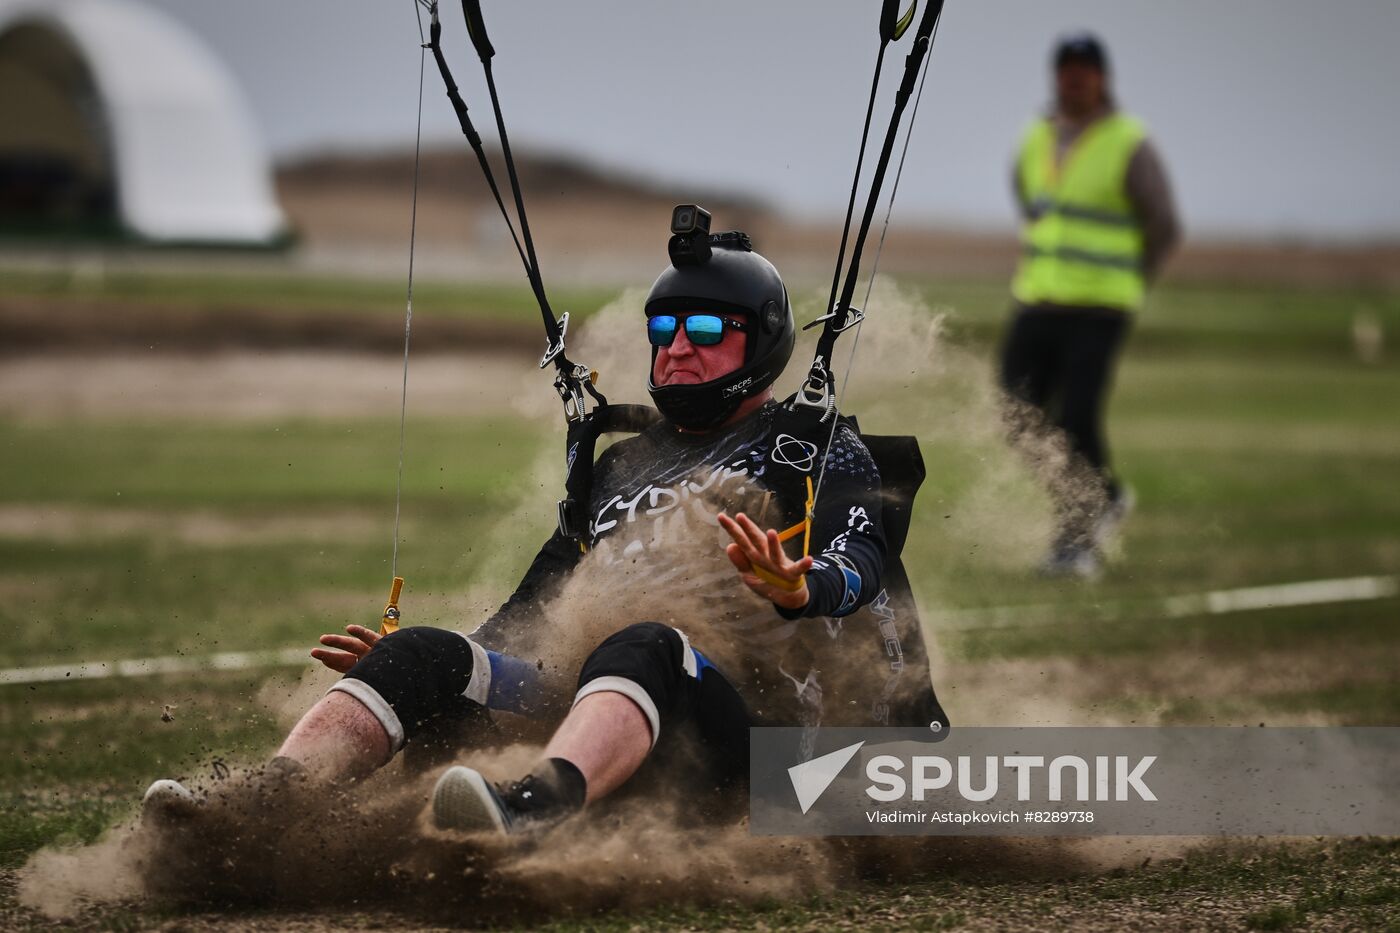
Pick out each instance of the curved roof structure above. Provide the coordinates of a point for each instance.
(112, 106)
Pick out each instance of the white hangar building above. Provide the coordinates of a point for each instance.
(117, 121)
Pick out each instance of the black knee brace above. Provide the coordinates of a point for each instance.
(415, 675)
(651, 664)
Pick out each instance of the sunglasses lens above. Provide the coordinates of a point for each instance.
(661, 330)
(704, 330)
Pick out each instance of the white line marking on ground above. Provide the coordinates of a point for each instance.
(1217, 602)
(143, 667)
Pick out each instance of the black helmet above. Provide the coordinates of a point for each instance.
(733, 279)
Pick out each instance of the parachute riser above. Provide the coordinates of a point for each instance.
(573, 382)
(840, 315)
(818, 391)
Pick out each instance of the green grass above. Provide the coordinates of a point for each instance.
(507, 306)
(247, 467)
(151, 589)
(1249, 471)
(1261, 450)
(74, 757)
(1253, 321)
(1236, 320)
(506, 303)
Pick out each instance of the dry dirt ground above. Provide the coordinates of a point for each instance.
(1013, 885)
(248, 385)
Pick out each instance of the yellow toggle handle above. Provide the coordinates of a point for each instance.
(804, 526)
(772, 579)
(390, 623)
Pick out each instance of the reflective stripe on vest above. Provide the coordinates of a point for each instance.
(1082, 244)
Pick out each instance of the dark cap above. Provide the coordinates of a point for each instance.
(1082, 47)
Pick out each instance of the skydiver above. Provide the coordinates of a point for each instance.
(720, 331)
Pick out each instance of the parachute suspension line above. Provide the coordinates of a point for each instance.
(893, 191)
(464, 121)
(571, 380)
(922, 43)
(819, 389)
(536, 281)
(408, 305)
(874, 268)
(855, 182)
(389, 622)
(892, 26)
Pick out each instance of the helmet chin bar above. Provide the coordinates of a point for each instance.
(704, 406)
(692, 410)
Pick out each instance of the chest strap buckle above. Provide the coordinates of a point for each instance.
(571, 519)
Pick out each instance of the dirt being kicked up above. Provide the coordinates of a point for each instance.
(370, 847)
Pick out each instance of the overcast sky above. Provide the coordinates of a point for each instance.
(1276, 117)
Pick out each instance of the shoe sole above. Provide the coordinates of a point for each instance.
(464, 801)
(1081, 570)
(1110, 526)
(168, 802)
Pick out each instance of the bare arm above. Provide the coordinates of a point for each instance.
(1018, 194)
(1150, 192)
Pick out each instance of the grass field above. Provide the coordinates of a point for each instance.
(1262, 451)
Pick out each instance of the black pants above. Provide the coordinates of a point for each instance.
(700, 722)
(1057, 363)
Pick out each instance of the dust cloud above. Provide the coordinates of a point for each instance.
(370, 846)
(291, 844)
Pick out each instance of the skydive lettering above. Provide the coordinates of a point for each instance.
(1112, 777)
(662, 499)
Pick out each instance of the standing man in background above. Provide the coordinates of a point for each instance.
(1098, 222)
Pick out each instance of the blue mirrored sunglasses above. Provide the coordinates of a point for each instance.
(703, 330)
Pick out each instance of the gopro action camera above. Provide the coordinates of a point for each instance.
(690, 235)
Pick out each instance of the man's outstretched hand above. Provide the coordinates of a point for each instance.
(754, 552)
(351, 648)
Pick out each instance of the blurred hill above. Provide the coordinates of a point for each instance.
(589, 224)
(593, 225)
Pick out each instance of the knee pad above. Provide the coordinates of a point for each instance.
(651, 664)
(417, 674)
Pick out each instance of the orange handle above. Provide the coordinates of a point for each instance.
(390, 622)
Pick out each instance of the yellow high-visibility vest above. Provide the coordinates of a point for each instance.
(1083, 243)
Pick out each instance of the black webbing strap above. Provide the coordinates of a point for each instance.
(580, 448)
(476, 28)
(836, 318)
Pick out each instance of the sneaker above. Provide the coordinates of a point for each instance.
(1075, 560)
(168, 803)
(464, 800)
(1110, 523)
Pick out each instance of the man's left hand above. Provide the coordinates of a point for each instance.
(755, 549)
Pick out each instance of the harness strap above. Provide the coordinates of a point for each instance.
(580, 445)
